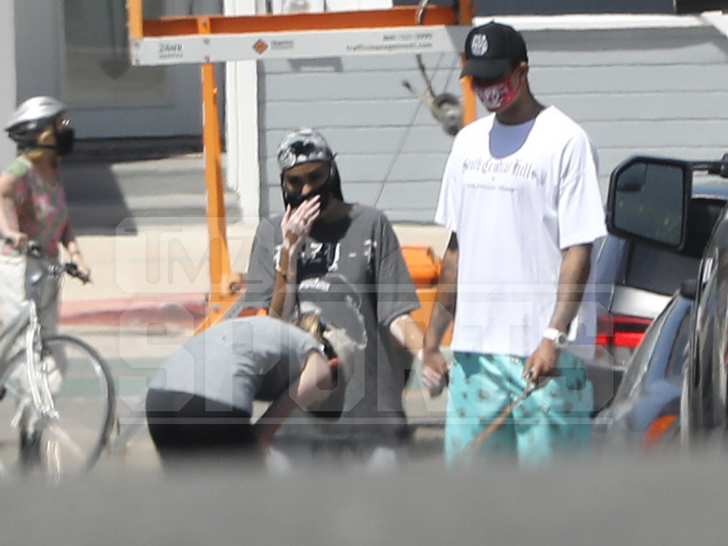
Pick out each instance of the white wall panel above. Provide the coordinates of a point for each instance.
(8, 79)
(656, 91)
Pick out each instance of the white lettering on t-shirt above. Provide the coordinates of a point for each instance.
(369, 248)
(321, 254)
(513, 167)
(517, 196)
(315, 284)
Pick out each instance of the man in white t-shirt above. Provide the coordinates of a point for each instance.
(521, 196)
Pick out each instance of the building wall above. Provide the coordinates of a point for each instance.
(7, 78)
(647, 91)
(660, 91)
(390, 150)
(559, 7)
(64, 49)
(241, 125)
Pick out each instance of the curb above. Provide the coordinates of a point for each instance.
(182, 310)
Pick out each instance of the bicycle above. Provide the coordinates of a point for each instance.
(57, 395)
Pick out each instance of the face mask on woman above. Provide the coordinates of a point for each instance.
(65, 139)
(295, 199)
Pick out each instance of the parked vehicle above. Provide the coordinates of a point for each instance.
(649, 201)
(635, 280)
(645, 410)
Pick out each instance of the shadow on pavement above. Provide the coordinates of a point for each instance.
(95, 201)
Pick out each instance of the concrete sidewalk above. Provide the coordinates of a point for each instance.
(160, 274)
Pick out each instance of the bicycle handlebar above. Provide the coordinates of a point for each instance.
(33, 250)
(72, 269)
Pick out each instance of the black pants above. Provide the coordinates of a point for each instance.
(185, 427)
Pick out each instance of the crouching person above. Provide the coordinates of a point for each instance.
(200, 402)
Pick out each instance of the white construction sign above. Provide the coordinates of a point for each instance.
(298, 45)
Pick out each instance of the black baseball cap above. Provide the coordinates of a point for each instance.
(491, 49)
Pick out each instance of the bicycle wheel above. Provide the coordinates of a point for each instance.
(69, 439)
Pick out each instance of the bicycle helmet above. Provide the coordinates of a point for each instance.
(31, 118)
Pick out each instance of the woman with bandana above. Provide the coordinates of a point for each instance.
(342, 261)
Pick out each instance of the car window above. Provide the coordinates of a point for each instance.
(702, 217)
(658, 270)
(662, 271)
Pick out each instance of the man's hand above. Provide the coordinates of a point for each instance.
(542, 363)
(434, 371)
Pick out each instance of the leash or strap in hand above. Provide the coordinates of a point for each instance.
(497, 422)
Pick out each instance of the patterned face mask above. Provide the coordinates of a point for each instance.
(497, 96)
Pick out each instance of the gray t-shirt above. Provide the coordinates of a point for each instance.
(352, 272)
(237, 361)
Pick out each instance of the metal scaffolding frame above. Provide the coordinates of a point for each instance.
(208, 39)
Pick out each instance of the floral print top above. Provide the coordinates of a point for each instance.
(38, 207)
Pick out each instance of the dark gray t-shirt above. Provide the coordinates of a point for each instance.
(352, 272)
(237, 361)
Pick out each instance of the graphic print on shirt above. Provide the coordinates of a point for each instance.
(508, 176)
(319, 257)
(337, 301)
(513, 166)
(328, 293)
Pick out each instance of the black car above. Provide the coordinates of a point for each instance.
(649, 201)
(634, 282)
(646, 408)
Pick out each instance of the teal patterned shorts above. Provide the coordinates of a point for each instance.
(553, 420)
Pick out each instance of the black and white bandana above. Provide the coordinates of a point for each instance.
(303, 146)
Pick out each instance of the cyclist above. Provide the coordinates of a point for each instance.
(201, 399)
(33, 205)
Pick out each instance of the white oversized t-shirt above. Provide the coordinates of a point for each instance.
(516, 195)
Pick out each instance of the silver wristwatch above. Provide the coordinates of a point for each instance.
(558, 337)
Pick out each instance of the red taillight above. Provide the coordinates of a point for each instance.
(628, 339)
(621, 331)
(656, 431)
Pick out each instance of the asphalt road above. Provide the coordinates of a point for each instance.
(666, 501)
